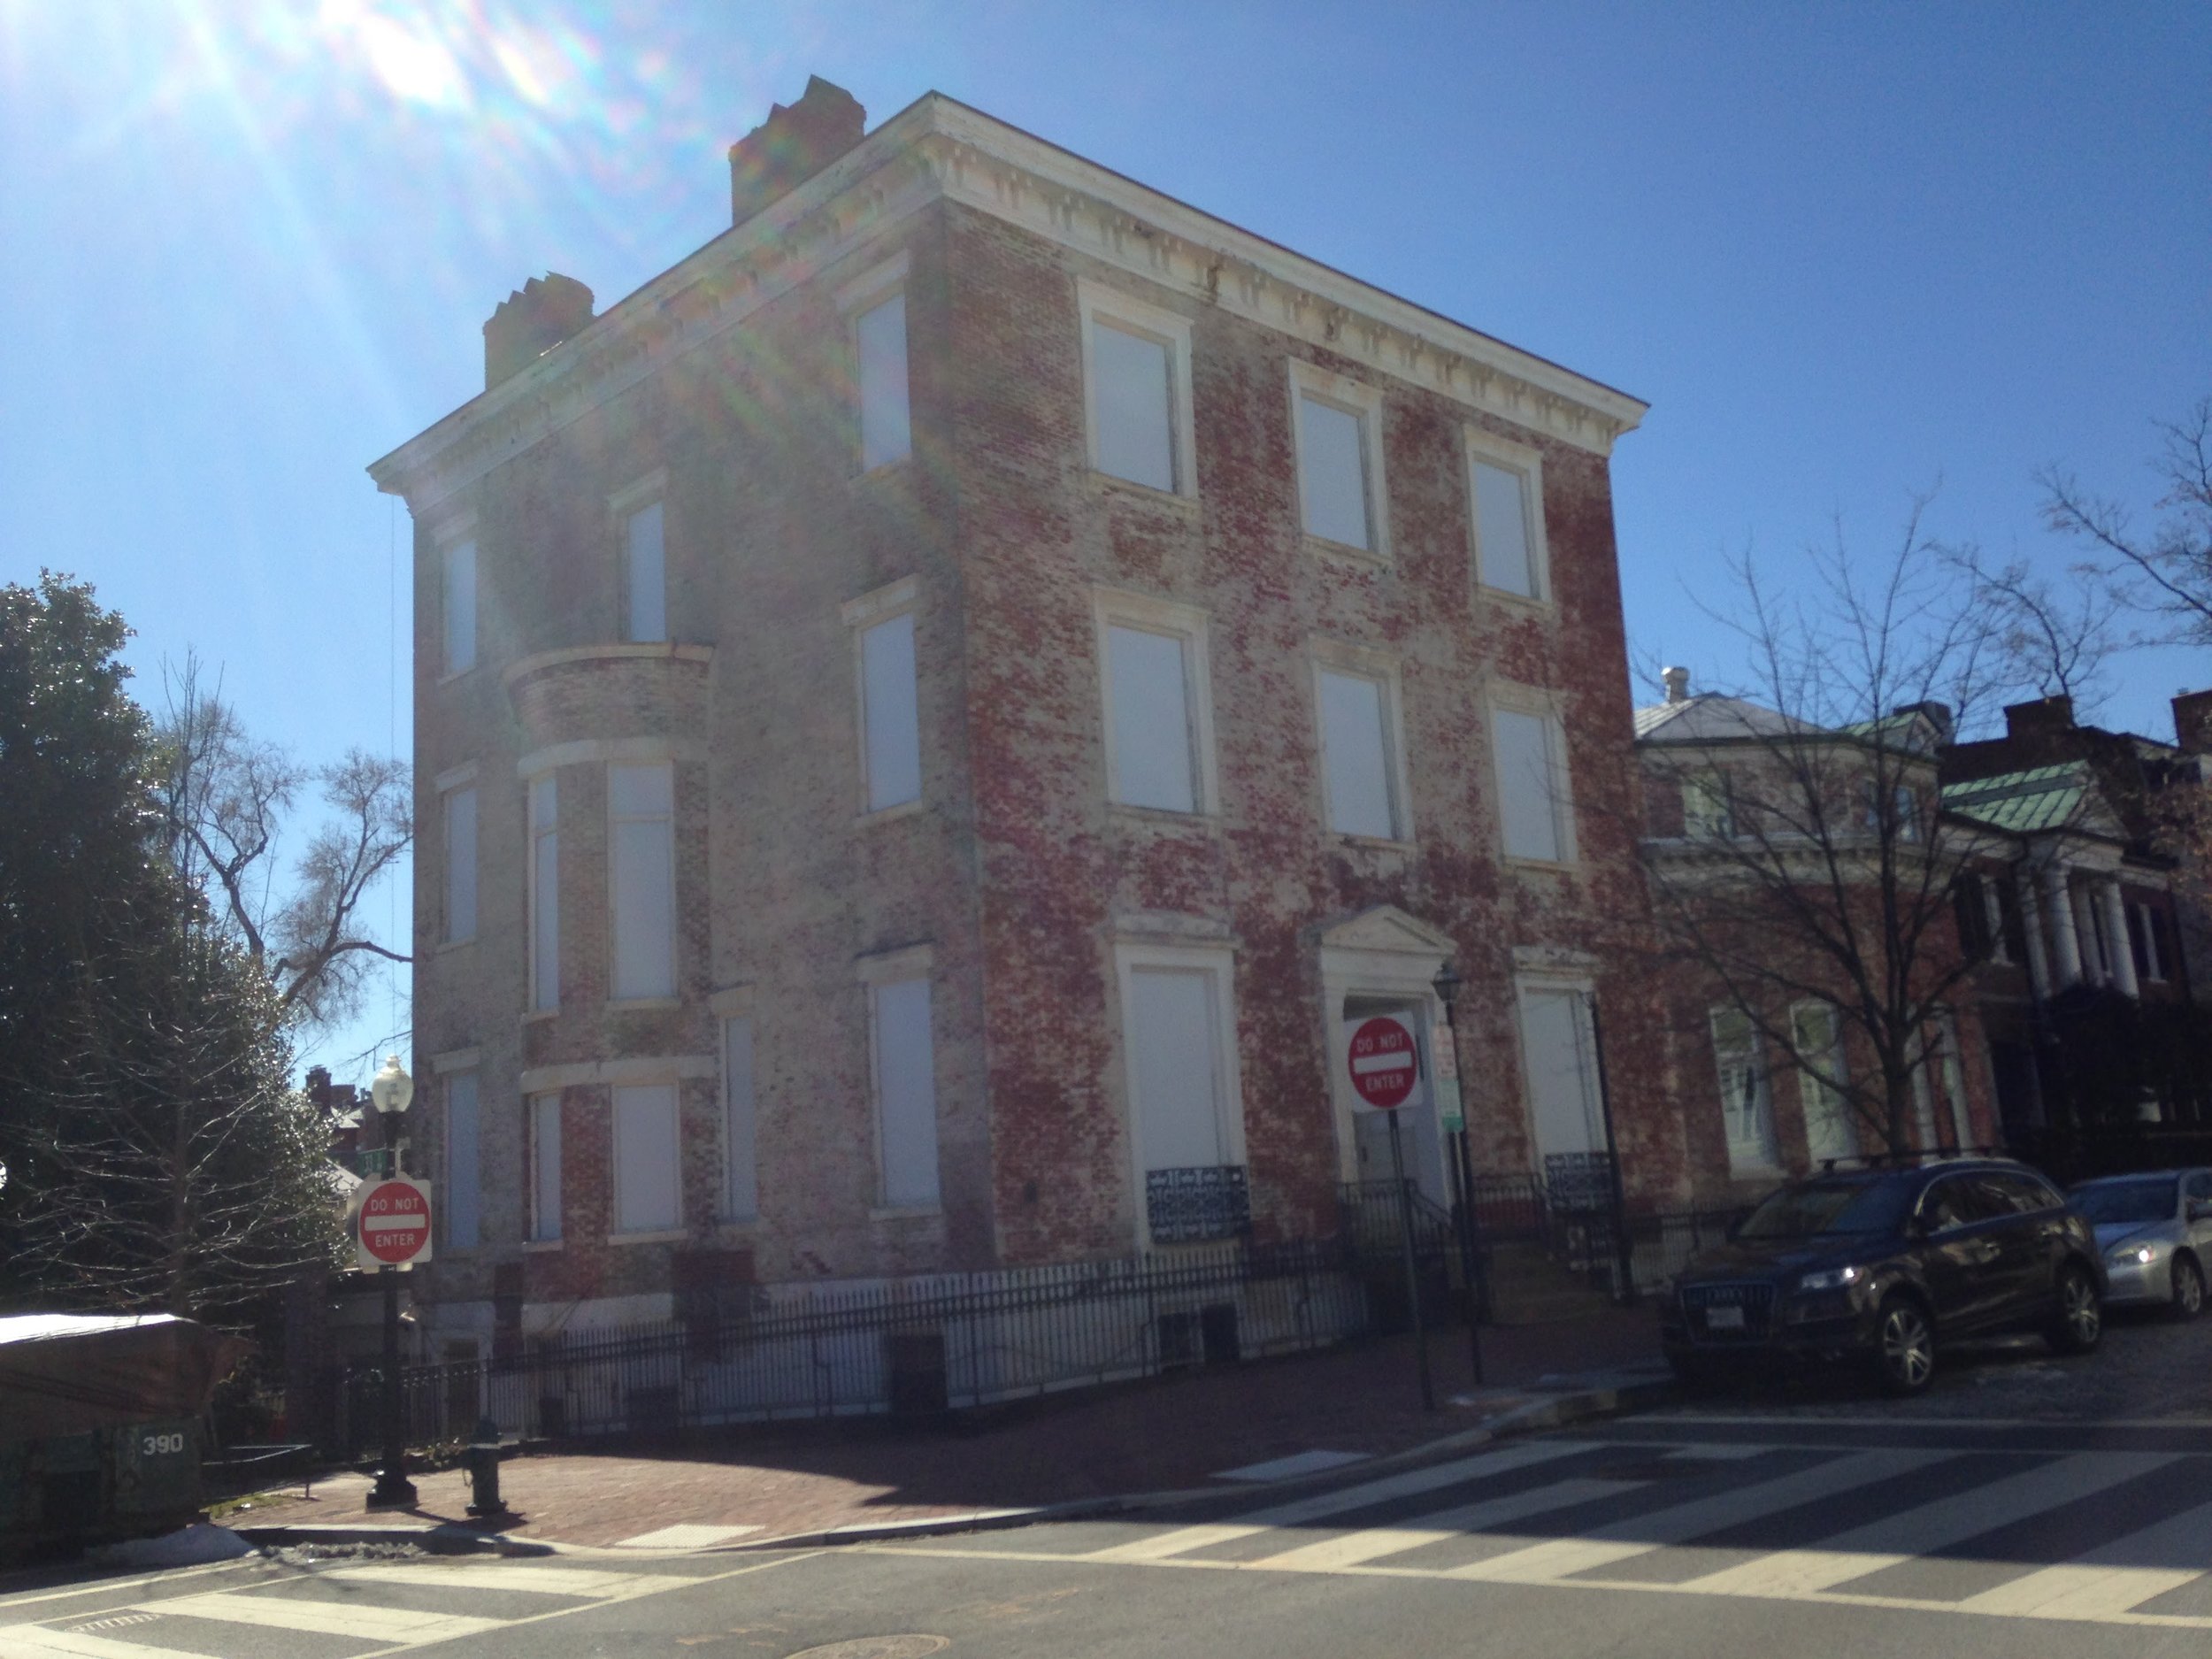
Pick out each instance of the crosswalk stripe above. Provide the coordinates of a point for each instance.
(1638, 1535)
(1411, 1483)
(578, 1581)
(368, 1622)
(1899, 1538)
(2116, 1575)
(35, 1641)
(1352, 1548)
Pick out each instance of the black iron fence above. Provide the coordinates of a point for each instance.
(915, 1346)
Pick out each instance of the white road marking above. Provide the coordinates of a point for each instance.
(1297, 1463)
(689, 1536)
(2113, 1577)
(1353, 1549)
(35, 1641)
(366, 1622)
(485, 1576)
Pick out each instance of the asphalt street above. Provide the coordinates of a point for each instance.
(1690, 1534)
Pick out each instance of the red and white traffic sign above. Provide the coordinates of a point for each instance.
(1384, 1063)
(394, 1223)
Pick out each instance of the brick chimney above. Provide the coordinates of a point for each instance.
(530, 322)
(794, 145)
(2193, 722)
(1938, 716)
(2040, 718)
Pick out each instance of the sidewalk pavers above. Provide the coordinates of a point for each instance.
(1217, 1428)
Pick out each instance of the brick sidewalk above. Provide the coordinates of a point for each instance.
(1168, 1434)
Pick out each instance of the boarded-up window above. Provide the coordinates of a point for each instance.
(1175, 1067)
(1530, 798)
(1356, 746)
(646, 1162)
(646, 570)
(1148, 679)
(545, 1167)
(886, 434)
(460, 864)
(891, 721)
(739, 1130)
(1563, 1098)
(906, 1092)
(1332, 472)
(545, 894)
(460, 604)
(463, 1196)
(1132, 402)
(1502, 537)
(640, 804)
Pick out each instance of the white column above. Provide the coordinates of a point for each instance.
(2065, 940)
(2116, 933)
(2031, 926)
(2093, 967)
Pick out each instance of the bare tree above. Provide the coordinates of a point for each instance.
(2052, 639)
(228, 798)
(2166, 577)
(1813, 864)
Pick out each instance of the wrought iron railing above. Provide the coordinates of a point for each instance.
(1197, 1205)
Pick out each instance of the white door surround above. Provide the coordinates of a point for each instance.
(1384, 957)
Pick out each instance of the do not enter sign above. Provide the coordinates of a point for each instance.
(1382, 1064)
(395, 1218)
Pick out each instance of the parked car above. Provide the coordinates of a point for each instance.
(1882, 1265)
(2154, 1231)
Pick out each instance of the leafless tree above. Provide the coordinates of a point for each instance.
(2167, 576)
(1812, 864)
(2052, 638)
(229, 797)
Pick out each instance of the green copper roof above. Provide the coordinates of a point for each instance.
(2023, 803)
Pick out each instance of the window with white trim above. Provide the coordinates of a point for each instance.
(904, 1069)
(646, 1158)
(458, 597)
(1136, 387)
(1158, 712)
(890, 717)
(1708, 806)
(544, 1129)
(1831, 1126)
(1535, 810)
(1180, 1065)
(545, 894)
(641, 878)
(1505, 482)
(463, 1187)
(741, 1166)
(1338, 433)
(1359, 753)
(460, 864)
(1746, 1102)
(2147, 940)
(880, 353)
(645, 574)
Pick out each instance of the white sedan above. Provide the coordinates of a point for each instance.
(2155, 1233)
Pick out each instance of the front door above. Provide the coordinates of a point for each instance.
(1420, 1143)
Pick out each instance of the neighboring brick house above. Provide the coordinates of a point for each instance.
(1765, 836)
(934, 713)
(2088, 903)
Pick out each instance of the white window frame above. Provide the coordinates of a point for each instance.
(449, 786)
(876, 973)
(2156, 970)
(615, 995)
(644, 1233)
(459, 656)
(543, 932)
(1365, 401)
(472, 1210)
(1114, 608)
(622, 508)
(1361, 662)
(1539, 705)
(855, 300)
(1744, 1160)
(902, 598)
(544, 1229)
(1815, 1080)
(1528, 463)
(1097, 302)
(1218, 964)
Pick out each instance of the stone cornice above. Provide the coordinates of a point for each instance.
(935, 149)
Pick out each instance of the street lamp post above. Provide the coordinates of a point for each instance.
(1446, 985)
(391, 1090)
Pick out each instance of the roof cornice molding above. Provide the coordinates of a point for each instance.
(935, 149)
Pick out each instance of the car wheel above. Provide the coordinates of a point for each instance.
(1904, 1355)
(2188, 1288)
(2080, 1319)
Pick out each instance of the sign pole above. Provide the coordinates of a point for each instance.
(1413, 1272)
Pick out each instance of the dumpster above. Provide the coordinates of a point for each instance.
(100, 1424)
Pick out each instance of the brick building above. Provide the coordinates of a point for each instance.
(933, 714)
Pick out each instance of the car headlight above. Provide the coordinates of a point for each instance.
(2132, 1255)
(1831, 1278)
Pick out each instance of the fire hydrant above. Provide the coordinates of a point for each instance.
(483, 1467)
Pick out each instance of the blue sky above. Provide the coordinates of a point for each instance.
(1846, 253)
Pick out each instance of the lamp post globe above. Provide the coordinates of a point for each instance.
(392, 1090)
(1446, 985)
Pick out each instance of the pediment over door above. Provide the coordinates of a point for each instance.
(1387, 928)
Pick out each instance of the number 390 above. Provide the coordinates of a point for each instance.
(154, 1445)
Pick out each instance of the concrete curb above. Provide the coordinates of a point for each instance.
(1629, 1393)
(439, 1540)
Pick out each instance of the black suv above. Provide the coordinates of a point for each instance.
(1881, 1265)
